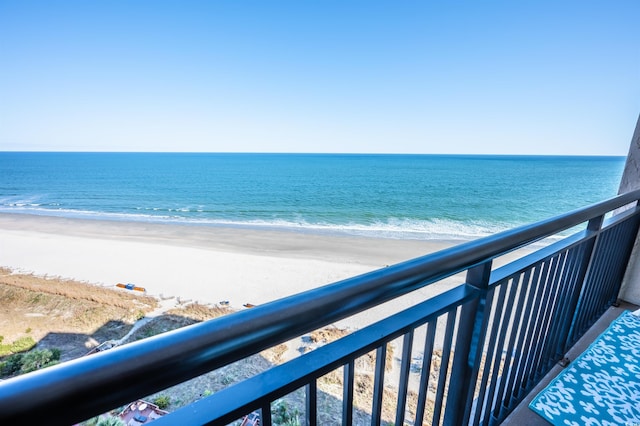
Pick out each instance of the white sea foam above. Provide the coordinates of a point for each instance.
(393, 228)
(397, 228)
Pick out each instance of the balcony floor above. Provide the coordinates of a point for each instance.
(523, 415)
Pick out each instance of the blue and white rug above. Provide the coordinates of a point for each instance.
(602, 385)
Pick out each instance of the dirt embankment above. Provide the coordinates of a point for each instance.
(70, 316)
(75, 317)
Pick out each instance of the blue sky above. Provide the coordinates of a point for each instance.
(512, 77)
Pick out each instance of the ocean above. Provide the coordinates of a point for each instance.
(389, 196)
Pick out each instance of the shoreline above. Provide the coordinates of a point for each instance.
(268, 241)
(197, 263)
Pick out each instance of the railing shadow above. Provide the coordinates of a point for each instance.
(79, 344)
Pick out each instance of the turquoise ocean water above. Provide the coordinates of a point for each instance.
(390, 196)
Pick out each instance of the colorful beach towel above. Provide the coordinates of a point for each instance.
(602, 385)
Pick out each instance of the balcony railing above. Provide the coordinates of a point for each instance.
(468, 355)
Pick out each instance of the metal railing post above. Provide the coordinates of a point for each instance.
(570, 310)
(311, 412)
(468, 347)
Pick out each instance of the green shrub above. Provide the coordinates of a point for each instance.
(55, 354)
(12, 365)
(284, 415)
(162, 401)
(93, 421)
(23, 344)
(110, 421)
(35, 360)
(5, 350)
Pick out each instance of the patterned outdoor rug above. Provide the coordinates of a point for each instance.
(602, 385)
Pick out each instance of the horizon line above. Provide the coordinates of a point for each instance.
(311, 153)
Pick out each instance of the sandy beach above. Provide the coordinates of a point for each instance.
(204, 263)
(199, 263)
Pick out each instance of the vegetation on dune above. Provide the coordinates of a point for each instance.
(26, 362)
